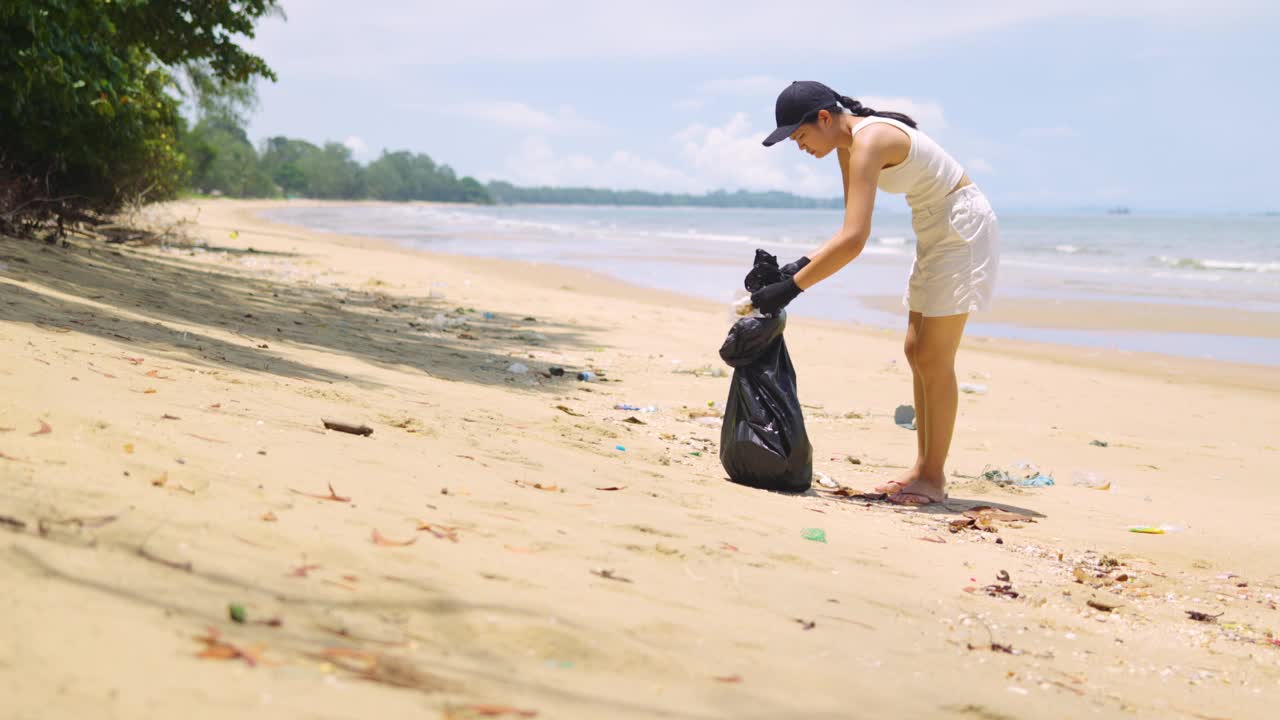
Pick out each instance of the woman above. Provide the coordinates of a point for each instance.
(957, 250)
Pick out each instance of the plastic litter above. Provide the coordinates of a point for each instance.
(636, 408)
(904, 416)
(825, 481)
(517, 369)
(556, 371)
(488, 316)
(1155, 529)
(619, 448)
(587, 376)
(973, 388)
(1099, 443)
(1025, 475)
(1089, 479)
(763, 441)
(814, 534)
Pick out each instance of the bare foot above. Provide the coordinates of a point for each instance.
(924, 490)
(895, 486)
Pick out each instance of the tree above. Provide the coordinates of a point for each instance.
(88, 118)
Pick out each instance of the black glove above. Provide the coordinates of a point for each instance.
(770, 299)
(790, 269)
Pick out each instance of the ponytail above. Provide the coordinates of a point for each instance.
(859, 110)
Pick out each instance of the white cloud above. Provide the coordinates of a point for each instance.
(704, 157)
(731, 156)
(359, 149)
(1059, 131)
(537, 163)
(519, 116)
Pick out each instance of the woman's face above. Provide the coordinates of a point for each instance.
(818, 137)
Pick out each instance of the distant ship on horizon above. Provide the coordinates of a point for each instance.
(1119, 210)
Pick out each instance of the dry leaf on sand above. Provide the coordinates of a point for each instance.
(331, 496)
(378, 539)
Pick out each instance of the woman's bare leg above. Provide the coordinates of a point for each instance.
(937, 340)
(917, 385)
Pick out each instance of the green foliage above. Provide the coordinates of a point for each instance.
(221, 158)
(88, 119)
(405, 176)
(505, 192)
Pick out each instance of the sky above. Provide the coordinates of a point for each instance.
(1168, 105)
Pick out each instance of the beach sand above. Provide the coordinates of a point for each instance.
(162, 456)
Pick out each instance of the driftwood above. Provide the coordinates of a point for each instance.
(347, 427)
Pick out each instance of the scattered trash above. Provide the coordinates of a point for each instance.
(825, 481)
(236, 612)
(568, 411)
(1091, 480)
(814, 534)
(345, 427)
(973, 388)
(904, 416)
(613, 487)
(488, 316)
(45, 429)
(1026, 475)
(1099, 443)
(517, 369)
(1202, 617)
(619, 448)
(636, 408)
(1154, 529)
(609, 574)
(708, 421)
(587, 376)
(556, 371)
(806, 624)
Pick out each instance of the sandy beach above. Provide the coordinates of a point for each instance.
(510, 545)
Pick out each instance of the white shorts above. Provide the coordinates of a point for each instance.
(957, 254)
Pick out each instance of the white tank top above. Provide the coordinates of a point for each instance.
(926, 176)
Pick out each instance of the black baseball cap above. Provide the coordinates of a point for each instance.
(797, 103)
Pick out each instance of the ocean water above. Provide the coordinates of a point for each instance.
(1228, 262)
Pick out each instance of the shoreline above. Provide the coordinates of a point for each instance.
(1189, 369)
(1173, 328)
(508, 538)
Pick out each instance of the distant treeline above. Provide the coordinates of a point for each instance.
(224, 162)
(504, 192)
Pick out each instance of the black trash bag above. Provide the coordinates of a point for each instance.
(763, 443)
